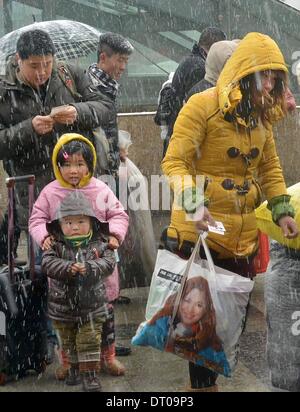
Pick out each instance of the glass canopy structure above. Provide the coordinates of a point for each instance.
(162, 32)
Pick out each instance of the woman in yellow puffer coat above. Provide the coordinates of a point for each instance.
(225, 135)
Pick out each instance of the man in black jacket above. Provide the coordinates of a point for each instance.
(189, 72)
(113, 55)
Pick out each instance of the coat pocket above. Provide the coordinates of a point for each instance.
(259, 196)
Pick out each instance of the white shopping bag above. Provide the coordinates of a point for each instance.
(195, 310)
(166, 280)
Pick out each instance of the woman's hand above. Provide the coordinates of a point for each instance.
(290, 100)
(48, 242)
(206, 219)
(123, 154)
(289, 227)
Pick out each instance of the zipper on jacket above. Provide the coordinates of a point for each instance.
(39, 100)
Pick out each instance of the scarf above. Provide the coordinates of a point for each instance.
(104, 83)
(79, 241)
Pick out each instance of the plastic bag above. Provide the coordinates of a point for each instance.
(138, 251)
(282, 299)
(262, 258)
(266, 224)
(195, 310)
(102, 149)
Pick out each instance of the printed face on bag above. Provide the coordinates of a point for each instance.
(74, 169)
(192, 307)
(191, 333)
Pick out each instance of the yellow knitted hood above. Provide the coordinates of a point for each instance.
(64, 139)
(256, 52)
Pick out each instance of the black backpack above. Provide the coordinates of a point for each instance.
(166, 104)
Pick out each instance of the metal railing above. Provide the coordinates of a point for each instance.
(136, 114)
(151, 113)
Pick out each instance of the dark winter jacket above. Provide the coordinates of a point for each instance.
(77, 298)
(108, 87)
(190, 71)
(21, 149)
(199, 87)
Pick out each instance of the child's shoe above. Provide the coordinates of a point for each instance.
(63, 370)
(89, 373)
(61, 373)
(109, 363)
(113, 367)
(73, 377)
(91, 382)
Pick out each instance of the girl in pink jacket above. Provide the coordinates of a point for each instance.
(74, 160)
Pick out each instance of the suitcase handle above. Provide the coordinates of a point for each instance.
(10, 183)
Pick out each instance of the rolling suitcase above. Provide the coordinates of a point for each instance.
(23, 305)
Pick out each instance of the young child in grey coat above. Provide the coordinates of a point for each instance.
(77, 263)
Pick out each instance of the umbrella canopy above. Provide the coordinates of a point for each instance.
(72, 39)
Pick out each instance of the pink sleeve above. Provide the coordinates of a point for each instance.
(116, 217)
(39, 217)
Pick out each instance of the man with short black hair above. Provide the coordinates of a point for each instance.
(113, 55)
(34, 43)
(189, 72)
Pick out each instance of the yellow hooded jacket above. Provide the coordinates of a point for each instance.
(200, 144)
(63, 140)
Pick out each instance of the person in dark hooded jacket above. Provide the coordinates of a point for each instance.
(190, 71)
(217, 56)
(77, 263)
